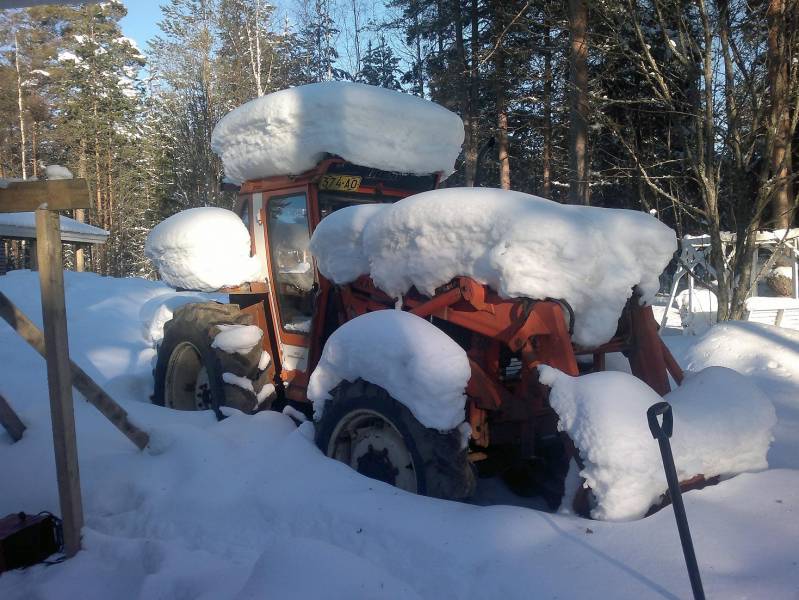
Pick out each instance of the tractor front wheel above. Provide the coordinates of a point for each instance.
(364, 427)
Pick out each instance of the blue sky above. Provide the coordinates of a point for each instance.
(141, 23)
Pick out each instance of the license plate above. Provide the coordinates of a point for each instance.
(340, 183)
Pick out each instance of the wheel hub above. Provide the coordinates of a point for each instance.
(372, 445)
(188, 386)
(377, 465)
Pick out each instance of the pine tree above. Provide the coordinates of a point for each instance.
(317, 43)
(379, 66)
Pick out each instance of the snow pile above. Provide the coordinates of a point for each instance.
(722, 426)
(749, 348)
(290, 131)
(338, 245)
(239, 339)
(521, 245)
(415, 362)
(52, 172)
(203, 249)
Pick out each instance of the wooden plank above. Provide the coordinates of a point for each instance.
(56, 347)
(10, 421)
(93, 393)
(62, 194)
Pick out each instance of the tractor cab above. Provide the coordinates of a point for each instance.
(281, 213)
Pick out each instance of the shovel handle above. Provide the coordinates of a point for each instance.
(660, 430)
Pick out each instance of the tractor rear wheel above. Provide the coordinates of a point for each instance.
(364, 427)
(189, 371)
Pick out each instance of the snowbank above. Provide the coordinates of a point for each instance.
(290, 131)
(415, 362)
(749, 348)
(722, 426)
(519, 244)
(237, 338)
(203, 249)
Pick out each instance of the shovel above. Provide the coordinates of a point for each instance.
(662, 432)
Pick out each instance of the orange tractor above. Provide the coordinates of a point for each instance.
(513, 429)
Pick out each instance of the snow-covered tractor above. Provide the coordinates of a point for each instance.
(412, 324)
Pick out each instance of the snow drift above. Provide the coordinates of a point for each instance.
(521, 245)
(722, 426)
(290, 131)
(203, 249)
(415, 362)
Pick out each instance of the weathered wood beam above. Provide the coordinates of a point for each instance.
(10, 421)
(62, 194)
(93, 393)
(56, 350)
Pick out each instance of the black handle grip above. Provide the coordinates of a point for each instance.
(660, 430)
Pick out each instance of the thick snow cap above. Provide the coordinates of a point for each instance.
(203, 249)
(414, 361)
(722, 426)
(520, 245)
(289, 132)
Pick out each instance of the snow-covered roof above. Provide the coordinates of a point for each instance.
(289, 132)
(520, 245)
(23, 225)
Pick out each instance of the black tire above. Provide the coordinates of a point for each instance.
(440, 464)
(187, 345)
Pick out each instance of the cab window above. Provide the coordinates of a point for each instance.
(330, 202)
(292, 267)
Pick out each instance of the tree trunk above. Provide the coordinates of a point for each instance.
(462, 77)
(546, 154)
(474, 65)
(21, 107)
(80, 213)
(578, 103)
(779, 121)
(34, 159)
(500, 98)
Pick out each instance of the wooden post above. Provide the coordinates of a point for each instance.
(10, 421)
(33, 252)
(51, 276)
(80, 261)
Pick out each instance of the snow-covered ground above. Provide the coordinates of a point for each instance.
(249, 508)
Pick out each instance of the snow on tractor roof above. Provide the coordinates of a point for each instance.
(520, 245)
(203, 249)
(289, 132)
